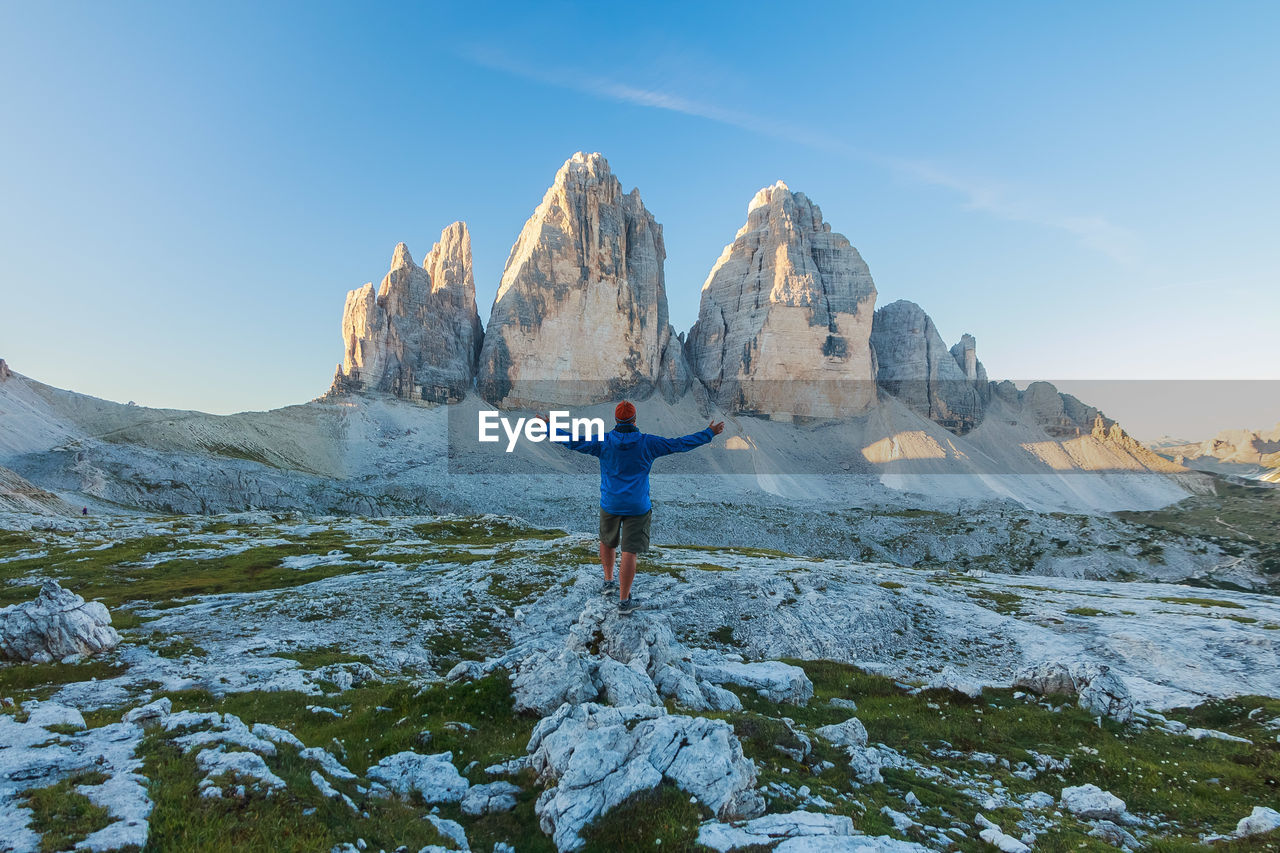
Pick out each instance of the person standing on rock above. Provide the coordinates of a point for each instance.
(626, 454)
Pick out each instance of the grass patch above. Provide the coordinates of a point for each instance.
(1008, 603)
(519, 586)
(174, 647)
(741, 551)
(16, 593)
(1152, 771)
(891, 585)
(115, 575)
(1088, 611)
(323, 656)
(1202, 602)
(378, 720)
(723, 634)
(660, 819)
(63, 816)
(23, 681)
(483, 532)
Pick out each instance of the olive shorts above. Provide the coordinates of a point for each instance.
(632, 530)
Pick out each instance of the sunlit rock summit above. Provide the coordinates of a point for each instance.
(581, 313)
(786, 315)
(419, 335)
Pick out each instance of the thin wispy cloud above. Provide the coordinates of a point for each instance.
(1093, 231)
(614, 90)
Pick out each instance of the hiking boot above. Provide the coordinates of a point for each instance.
(609, 587)
(626, 608)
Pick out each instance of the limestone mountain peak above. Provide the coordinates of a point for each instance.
(582, 301)
(785, 319)
(418, 337)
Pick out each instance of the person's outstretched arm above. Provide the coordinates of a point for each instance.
(657, 446)
(589, 446)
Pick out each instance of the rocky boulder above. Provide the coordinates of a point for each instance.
(417, 337)
(948, 386)
(432, 777)
(594, 757)
(772, 828)
(581, 313)
(1260, 820)
(56, 625)
(1092, 803)
(637, 660)
(492, 798)
(1098, 690)
(785, 320)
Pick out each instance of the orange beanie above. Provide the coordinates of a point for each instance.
(624, 412)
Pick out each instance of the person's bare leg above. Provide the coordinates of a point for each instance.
(626, 574)
(606, 560)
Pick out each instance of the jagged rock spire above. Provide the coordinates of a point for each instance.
(914, 365)
(785, 319)
(581, 312)
(418, 337)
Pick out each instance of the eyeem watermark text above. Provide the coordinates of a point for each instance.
(558, 426)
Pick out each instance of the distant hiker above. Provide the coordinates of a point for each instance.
(84, 511)
(626, 454)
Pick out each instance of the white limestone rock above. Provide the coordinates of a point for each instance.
(328, 763)
(1116, 836)
(865, 763)
(1107, 695)
(1261, 819)
(417, 337)
(1097, 688)
(46, 714)
(326, 790)
(57, 624)
(637, 660)
(597, 756)
(773, 680)
(218, 764)
(901, 822)
(451, 830)
(581, 313)
(772, 828)
(229, 730)
(1092, 803)
(849, 733)
(622, 685)
(849, 844)
(950, 679)
(542, 683)
(913, 364)
(489, 799)
(432, 776)
(996, 837)
(346, 675)
(785, 320)
(277, 735)
(152, 712)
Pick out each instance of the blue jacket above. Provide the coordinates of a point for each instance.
(626, 455)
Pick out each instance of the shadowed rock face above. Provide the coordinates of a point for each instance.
(418, 337)
(581, 313)
(786, 314)
(913, 364)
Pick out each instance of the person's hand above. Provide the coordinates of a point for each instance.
(716, 428)
(542, 418)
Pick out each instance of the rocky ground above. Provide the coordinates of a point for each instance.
(302, 683)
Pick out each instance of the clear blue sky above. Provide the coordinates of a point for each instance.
(189, 190)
